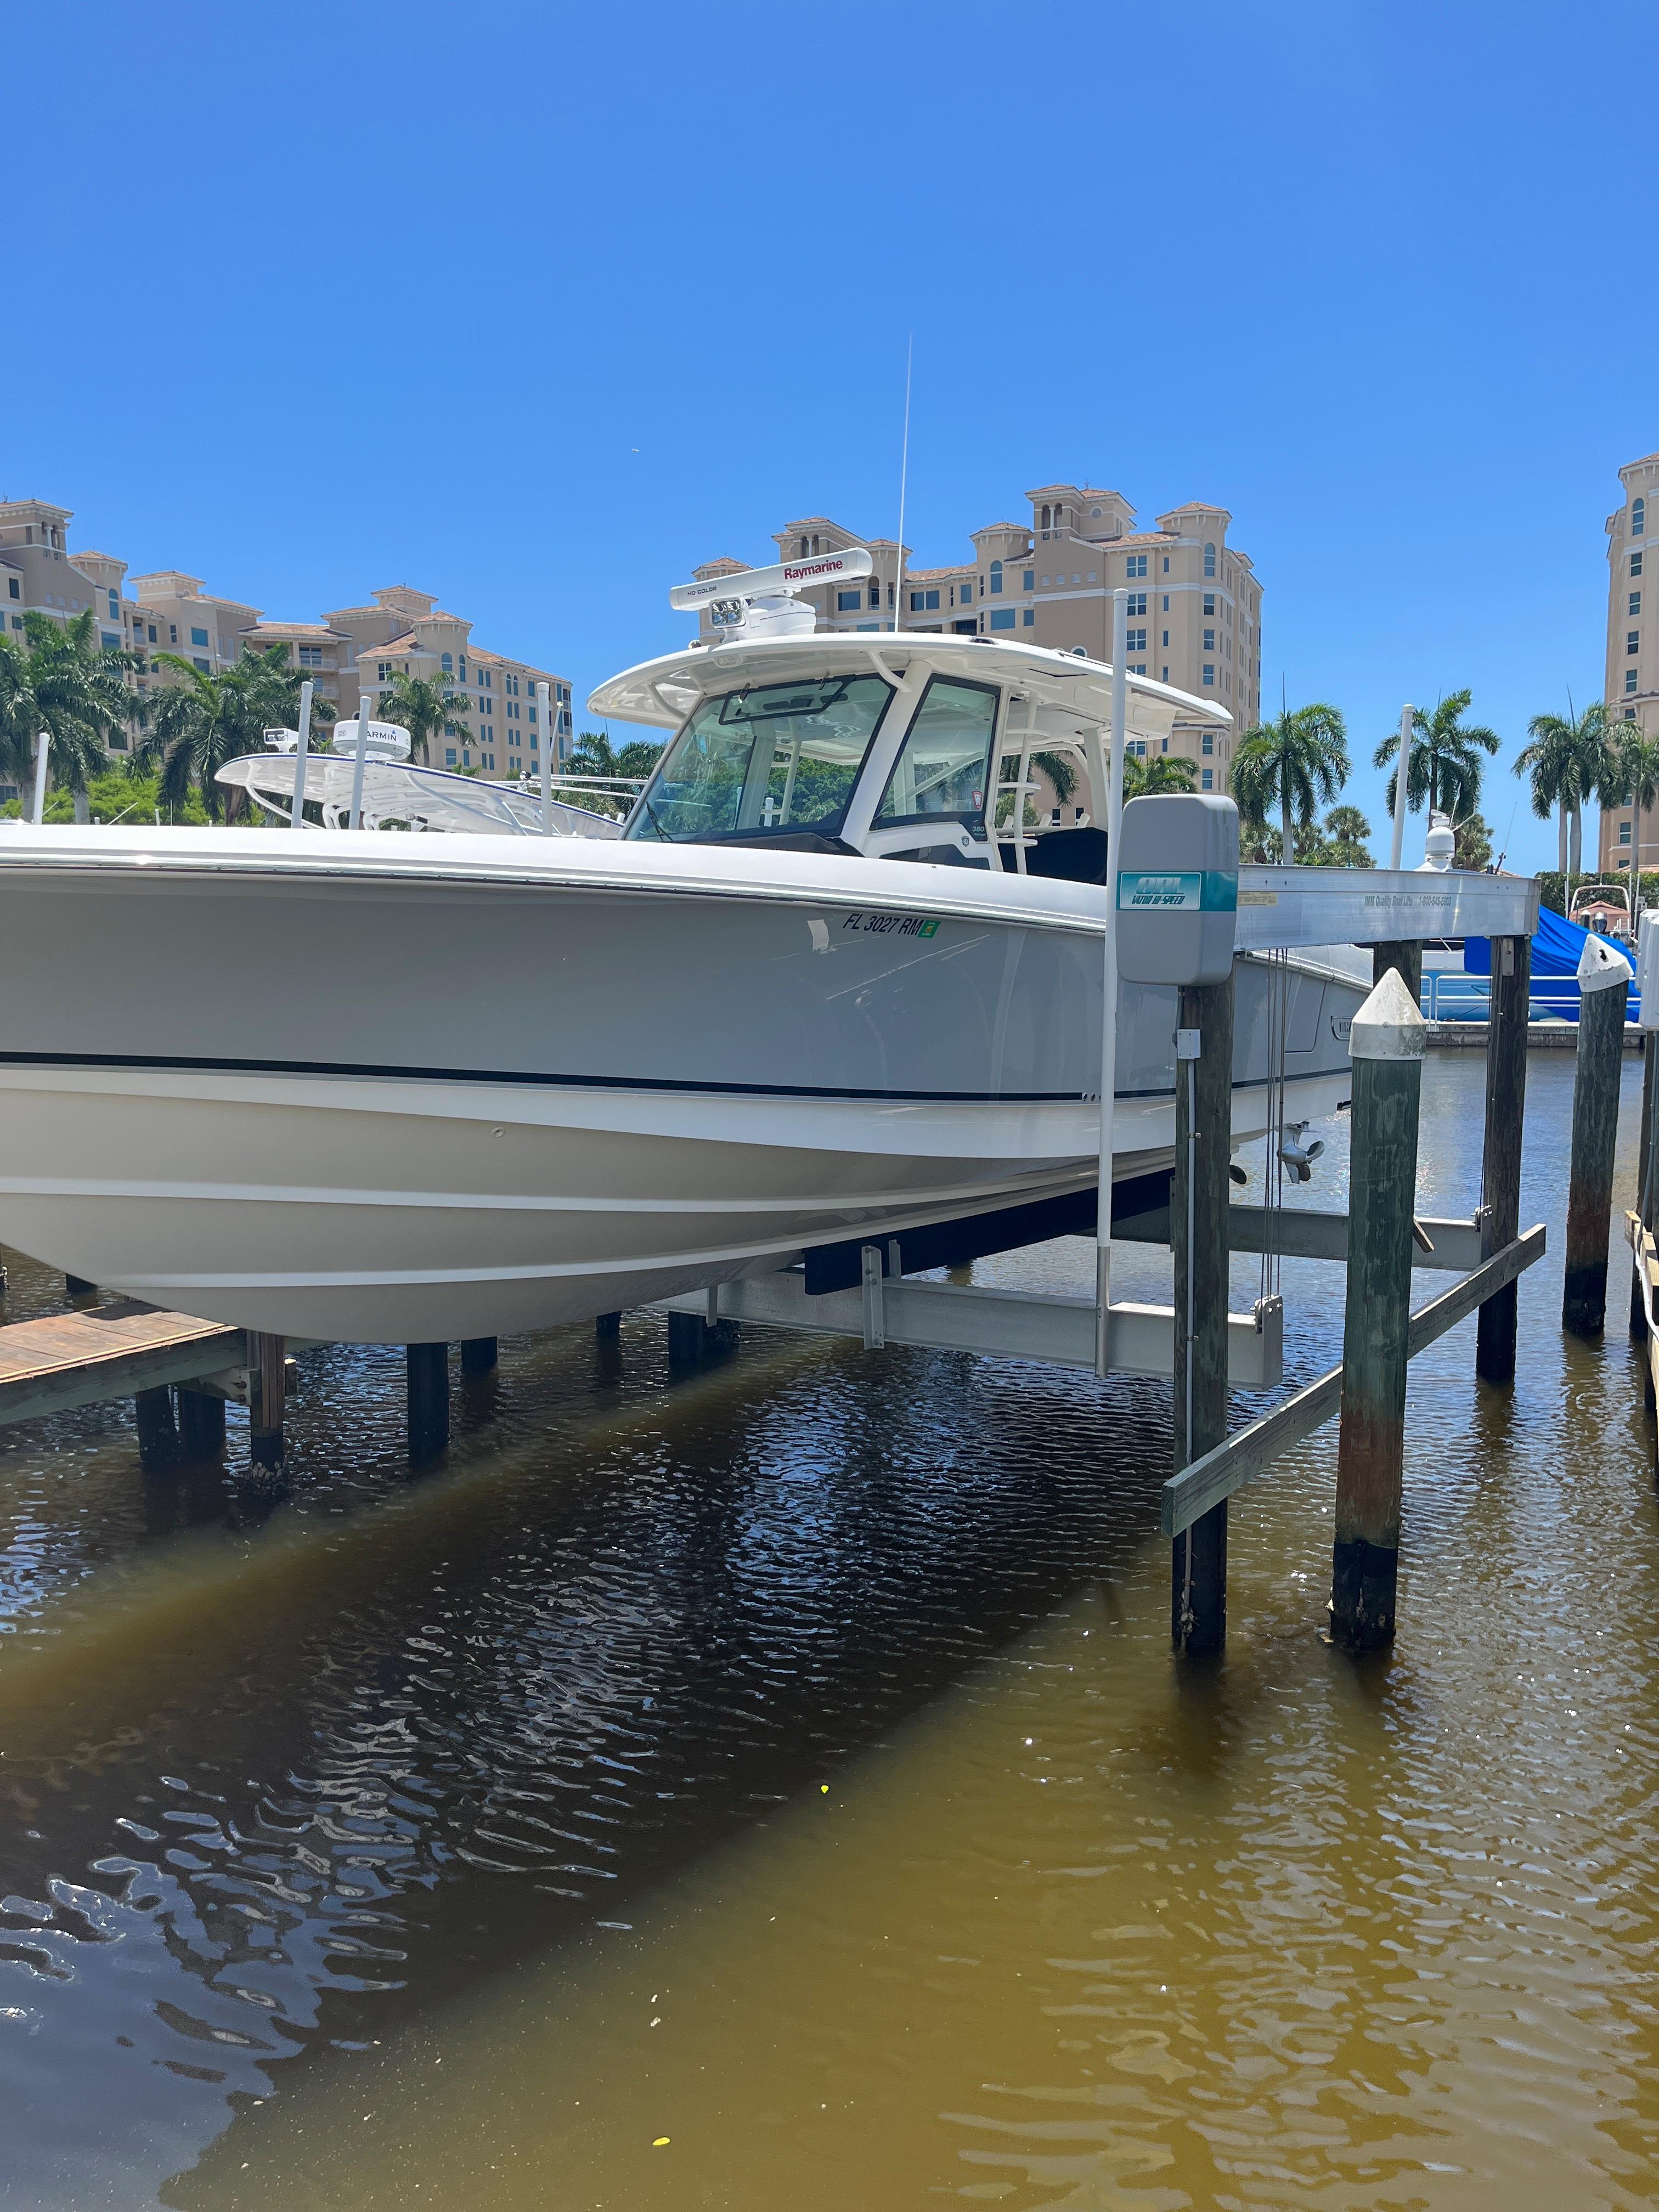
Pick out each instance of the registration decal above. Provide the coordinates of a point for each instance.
(893, 925)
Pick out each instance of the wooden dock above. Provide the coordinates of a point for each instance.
(116, 1350)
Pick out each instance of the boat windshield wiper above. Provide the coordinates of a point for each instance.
(651, 812)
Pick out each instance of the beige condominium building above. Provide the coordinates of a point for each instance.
(168, 611)
(1632, 682)
(1195, 603)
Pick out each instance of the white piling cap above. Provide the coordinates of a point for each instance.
(1390, 1025)
(1601, 966)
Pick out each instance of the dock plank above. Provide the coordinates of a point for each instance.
(109, 1351)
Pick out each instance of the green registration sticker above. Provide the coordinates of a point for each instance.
(893, 925)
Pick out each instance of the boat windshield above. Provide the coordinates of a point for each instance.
(778, 758)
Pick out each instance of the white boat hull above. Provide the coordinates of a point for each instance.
(467, 1106)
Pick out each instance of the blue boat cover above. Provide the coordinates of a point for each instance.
(1557, 945)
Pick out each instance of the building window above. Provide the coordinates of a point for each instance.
(1209, 603)
(923, 602)
(996, 581)
(1029, 617)
(1136, 565)
(12, 586)
(1632, 640)
(449, 759)
(1206, 782)
(965, 594)
(311, 656)
(114, 608)
(1209, 560)
(197, 662)
(849, 602)
(1208, 743)
(1136, 603)
(1636, 603)
(1002, 617)
(1630, 680)
(1045, 583)
(875, 601)
(1166, 641)
(1209, 672)
(1136, 642)
(111, 641)
(1029, 579)
(1209, 641)
(1636, 564)
(1166, 564)
(199, 637)
(1624, 833)
(1638, 518)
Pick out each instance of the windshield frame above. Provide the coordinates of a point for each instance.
(974, 821)
(643, 821)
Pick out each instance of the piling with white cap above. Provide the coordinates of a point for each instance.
(1388, 1040)
(1604, 978)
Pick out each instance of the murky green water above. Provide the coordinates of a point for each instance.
(792, 1764)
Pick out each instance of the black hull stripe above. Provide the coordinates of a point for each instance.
(177, 1064)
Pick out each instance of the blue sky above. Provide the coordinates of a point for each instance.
(534, 307)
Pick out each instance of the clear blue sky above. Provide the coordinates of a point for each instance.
(534, 307)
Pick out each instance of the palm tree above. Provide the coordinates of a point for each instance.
(425, 708)
(1296, 762)
(78, 693)
(1570, 758)
(1144, 778)
(19, 717)
(1633, 776)
(1472, 848)
(200, 724)
(595, 757)
(1444, 765)
(1348, 829)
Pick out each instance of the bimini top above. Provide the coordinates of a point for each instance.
(664, 691)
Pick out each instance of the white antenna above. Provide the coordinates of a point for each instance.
(904, 471)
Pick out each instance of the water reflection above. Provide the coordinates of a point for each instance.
(792, 1764)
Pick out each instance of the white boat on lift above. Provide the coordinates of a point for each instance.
(343, 1083)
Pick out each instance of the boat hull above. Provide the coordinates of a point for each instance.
(368, 1109)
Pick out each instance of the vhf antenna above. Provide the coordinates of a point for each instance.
(904, 471)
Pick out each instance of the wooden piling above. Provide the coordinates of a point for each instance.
(267, 1397)
(1500, 1170)
(479, 1355)
(1387, 1041)
(1604, 977)
(685, 1335)
(1199, 1198)
(77, 1286)
(158, 1437)
(1404, 956)
(200, 1424)
(428, 1401)
(1638, 1324)
(607, 1327)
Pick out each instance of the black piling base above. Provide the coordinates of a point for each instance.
(76, 1286)
(607, 1326)
(158, 1437)
(1363, 1580)
(201, 1426)
(1198, 1584)
(479, 1355)
(1584, 1299)
(685, 1335)
(428, 1401)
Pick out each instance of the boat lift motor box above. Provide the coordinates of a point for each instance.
(1177, 889)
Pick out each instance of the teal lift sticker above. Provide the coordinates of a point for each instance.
(1141, 890)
